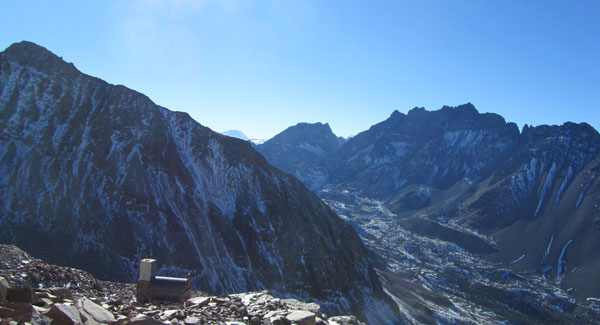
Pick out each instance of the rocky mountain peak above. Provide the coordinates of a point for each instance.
(417, 112)
(396, 115)
(581, 132)
(38, 57)
(463, 108)
(305, 131)
(301, 150)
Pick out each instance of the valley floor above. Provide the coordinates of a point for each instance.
(434, 281)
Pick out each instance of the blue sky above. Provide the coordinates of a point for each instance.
(261, 66)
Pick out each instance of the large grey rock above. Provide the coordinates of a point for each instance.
(302, 317)
(191, 320)
(344, 320)
(98, 313)
(299, 305)
(87, 319)
(144, 320)
(66, 314)
(197, 302)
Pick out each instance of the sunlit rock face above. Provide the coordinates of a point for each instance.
(97, 176)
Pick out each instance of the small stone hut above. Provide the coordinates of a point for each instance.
(151, 287)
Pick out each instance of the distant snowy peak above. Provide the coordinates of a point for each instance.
(236, 134)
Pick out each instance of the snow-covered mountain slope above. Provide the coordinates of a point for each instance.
(236, 134)
(97, 176)
(303, 150)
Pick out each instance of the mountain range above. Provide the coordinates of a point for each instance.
(524, 199)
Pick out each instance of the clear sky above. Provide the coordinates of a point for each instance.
(261, 66)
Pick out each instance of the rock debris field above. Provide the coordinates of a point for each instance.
(32, 291)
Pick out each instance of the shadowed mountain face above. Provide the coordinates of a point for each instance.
(97, 176)
(527, 200)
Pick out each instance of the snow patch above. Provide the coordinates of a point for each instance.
(548, 248)
(547, 185)
(584, 190)
(563, 186)
(562, 262)
(517, 260)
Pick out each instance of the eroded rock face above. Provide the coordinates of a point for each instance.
(97, 176)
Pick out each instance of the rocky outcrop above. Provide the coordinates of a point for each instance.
(97, 176)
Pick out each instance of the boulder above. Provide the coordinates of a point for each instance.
(191, 320)
(171, 314)
(302, 317)
(299, 305)
(276, 320)
(87, 318)
(98, 313)
(197, 302)
(344, 320)
(144, 320)
(66, 314)
(27, 313)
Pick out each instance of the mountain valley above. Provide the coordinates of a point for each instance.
(470, 208)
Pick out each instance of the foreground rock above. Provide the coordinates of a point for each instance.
(69, 296)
